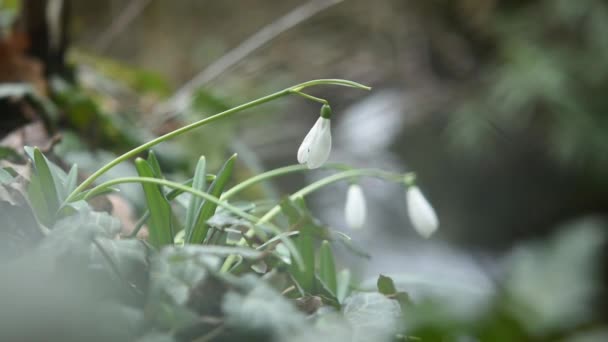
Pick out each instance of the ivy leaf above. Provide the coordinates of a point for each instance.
(373, 316)
(386, 286)
(261, 314)
(177, 275)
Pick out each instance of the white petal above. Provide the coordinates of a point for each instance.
(421, 212)
(304, 150)
(320, 144)
(355, 209)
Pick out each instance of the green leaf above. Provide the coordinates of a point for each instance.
(299, 219)
(35, 194)
(323, 291)
(343, 285)
(386, 286)
(327, 267)
(60, 178)
(199, 233)
(373, 316)
(20, 231)
(306, 276)
(262, 314)
(160, 225)
(42, 190)
(5, 177)
(198, 183)
(46, 180)
(9, 153)
(153, 162)
(182, 286)
(71, 180)
(123, 261)
(289, 209)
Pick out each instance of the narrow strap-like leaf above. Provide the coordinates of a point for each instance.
(198, 183)
(207, 209)
(304, 276)
(47, 183)
(154, 165)
(327, 267)
(159, 225)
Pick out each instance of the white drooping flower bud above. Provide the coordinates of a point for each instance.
(421, 213)
(316, 146)
(355, 210)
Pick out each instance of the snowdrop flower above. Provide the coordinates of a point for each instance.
(421, 213)
(316, 146)
(354, 209)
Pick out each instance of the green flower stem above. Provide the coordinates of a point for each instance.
(262, 177)
(330, 81)
(134, 152)
(231, 208)
(310, 97)
(276, 173)
(397, 178)
(183, 188)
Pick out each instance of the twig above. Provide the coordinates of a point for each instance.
(132, 11)
(182, 97)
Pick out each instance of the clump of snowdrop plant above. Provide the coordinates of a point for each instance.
(316, 146)
(312, 153)
(355, 209)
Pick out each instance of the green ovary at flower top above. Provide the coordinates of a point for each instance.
(316, 146)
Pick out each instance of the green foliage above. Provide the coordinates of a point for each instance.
(386, 286)
(534, 84)
(199, 183)
(327, 267)
(160, 226)
(199, 228)
(179, 293)
(49, 187)
(230, 275)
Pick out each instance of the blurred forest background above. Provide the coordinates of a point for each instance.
(499, 106)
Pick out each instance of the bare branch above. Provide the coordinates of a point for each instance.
(132, 11)
(182, 97)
